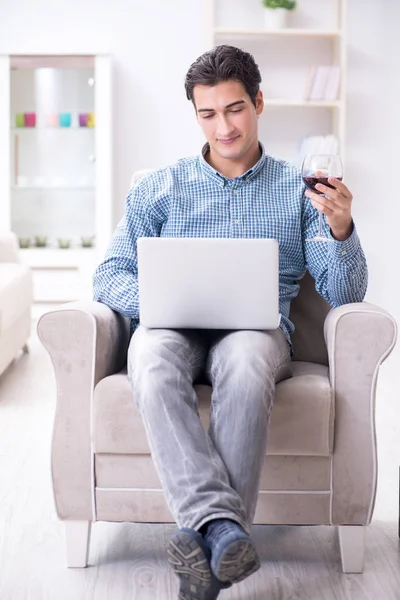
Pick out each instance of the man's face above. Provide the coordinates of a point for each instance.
(228, 118)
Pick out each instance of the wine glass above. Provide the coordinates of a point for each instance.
(316, 168)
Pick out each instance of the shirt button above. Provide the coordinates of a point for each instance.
(234, 191)
(344, 252)
(236, 221)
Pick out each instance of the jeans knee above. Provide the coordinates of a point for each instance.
(156, 370)
(249, 356)
(249, 369)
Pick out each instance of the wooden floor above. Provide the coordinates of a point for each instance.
(127, 562)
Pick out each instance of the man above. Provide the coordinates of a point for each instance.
(233, 189)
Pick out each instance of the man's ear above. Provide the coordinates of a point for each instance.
(259, 103)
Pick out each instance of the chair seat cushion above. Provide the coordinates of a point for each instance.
(15, 292)
(301, 420)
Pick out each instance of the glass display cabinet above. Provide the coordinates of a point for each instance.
(56, 167)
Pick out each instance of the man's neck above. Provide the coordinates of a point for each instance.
(232, 168)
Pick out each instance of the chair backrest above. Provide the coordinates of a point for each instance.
(137, 176)
(308, 312)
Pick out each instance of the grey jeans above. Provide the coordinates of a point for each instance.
(212, 474)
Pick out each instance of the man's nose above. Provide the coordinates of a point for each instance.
(225, 128)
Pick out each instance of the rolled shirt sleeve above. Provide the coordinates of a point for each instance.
(338, 267)
(115, 281)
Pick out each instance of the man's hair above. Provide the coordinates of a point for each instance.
(224, 63)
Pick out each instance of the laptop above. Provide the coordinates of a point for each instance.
(208, 283)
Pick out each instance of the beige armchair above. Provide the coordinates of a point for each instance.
(16, 299)
(320, 467)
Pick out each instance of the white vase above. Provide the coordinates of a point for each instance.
(275, 18)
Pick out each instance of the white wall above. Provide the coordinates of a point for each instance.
(154, 42)
(373, 133)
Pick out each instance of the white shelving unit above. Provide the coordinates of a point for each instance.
(303, 103)
(288, 32)
(316, 35)
(60, 274)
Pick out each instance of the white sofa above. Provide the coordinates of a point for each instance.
(16, 299)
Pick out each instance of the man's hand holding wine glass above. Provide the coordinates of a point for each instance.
(322, 175)
(335, 204)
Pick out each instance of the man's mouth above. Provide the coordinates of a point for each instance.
(228, 141)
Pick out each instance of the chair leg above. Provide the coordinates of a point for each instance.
(77, 537)
(352, 547)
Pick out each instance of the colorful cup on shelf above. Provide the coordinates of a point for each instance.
(90, 120)
(65, 119)
(83, 120)
(19, 120)
(52, 120)
(30, 119)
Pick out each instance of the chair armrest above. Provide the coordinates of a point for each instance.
(359, 337)
(9, 247)
(86, 341)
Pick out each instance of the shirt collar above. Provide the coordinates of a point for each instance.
(220, 179)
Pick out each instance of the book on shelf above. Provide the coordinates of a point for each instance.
(323, 82)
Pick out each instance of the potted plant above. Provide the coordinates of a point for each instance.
(276, 12)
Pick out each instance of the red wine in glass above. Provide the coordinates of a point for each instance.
(317, 168)
(311, 182)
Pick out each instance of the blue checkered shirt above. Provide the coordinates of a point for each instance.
(191, 199)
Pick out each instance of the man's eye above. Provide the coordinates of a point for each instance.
(207, 116)
(237, 110)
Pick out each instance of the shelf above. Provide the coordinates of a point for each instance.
(303, 103)
(287, 32)
(285, 57)
(57, 258)
(57, 180)
(75, 128)
(30, 188)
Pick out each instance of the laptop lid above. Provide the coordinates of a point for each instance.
(208, 283)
